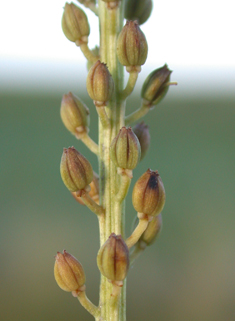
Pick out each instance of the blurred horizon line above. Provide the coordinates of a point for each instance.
(26, 75)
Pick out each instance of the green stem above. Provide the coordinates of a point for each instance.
(123, 188)
(136, 253)
(91, 204)
(139, 230)
(86, 139)
(136, 115)
(87, 304)
(111, 21)
(104, 119)
(133, 75)
(88, 53)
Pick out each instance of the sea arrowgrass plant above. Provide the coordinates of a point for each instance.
(118, 149)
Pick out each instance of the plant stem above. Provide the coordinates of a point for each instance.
(139, 230)
(87, 304)
(142, 111)
(91, 204)
(88, 53)
(89, 142)
(111, 21)
(133, 75)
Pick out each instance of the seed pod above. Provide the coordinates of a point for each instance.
(141, 131)
(94, 192)
(113, 258)
(148, 195)
(152, 231)
(139, 10)
(132, 47)
(99, 83)
(125, 149)
(76, 171)
(75, 24)
(155, 86)
(74, 114)
(69, 273)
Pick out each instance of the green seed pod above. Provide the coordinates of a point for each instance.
(156, 85)
(113, 258)
(132, 47)
(76, 171)
(68, 272)
(139, 10)
(148, 194)
(93, 193)
(125, 149)
(152, 231)
(99, 83)
(141, 131)
(75, 24)
(74, 114)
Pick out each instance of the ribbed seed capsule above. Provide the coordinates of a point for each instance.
(76, 171)
(125, 149)
(132, 47)
(74, 114)
(139, 10)
(152, 231)
(94, 192)
(113, 258)
(141, 131)
(75, 24)
(148, 195)
(68, 272)
(99, 83)
(156, 85)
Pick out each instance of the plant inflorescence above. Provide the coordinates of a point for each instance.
(119, 148)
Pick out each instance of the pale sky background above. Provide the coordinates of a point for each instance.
(196, 40)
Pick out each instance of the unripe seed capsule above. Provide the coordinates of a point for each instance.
(113, 258)
(76, 171)
(74, 114)
(132, 47)
(75, 24)
(148, 195)
(99, 83)
(141, 131)
(125, 149)
(68, 272)
(156, 85)
(139, 10)
(94, 192)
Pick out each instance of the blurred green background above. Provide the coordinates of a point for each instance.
(187, 275)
